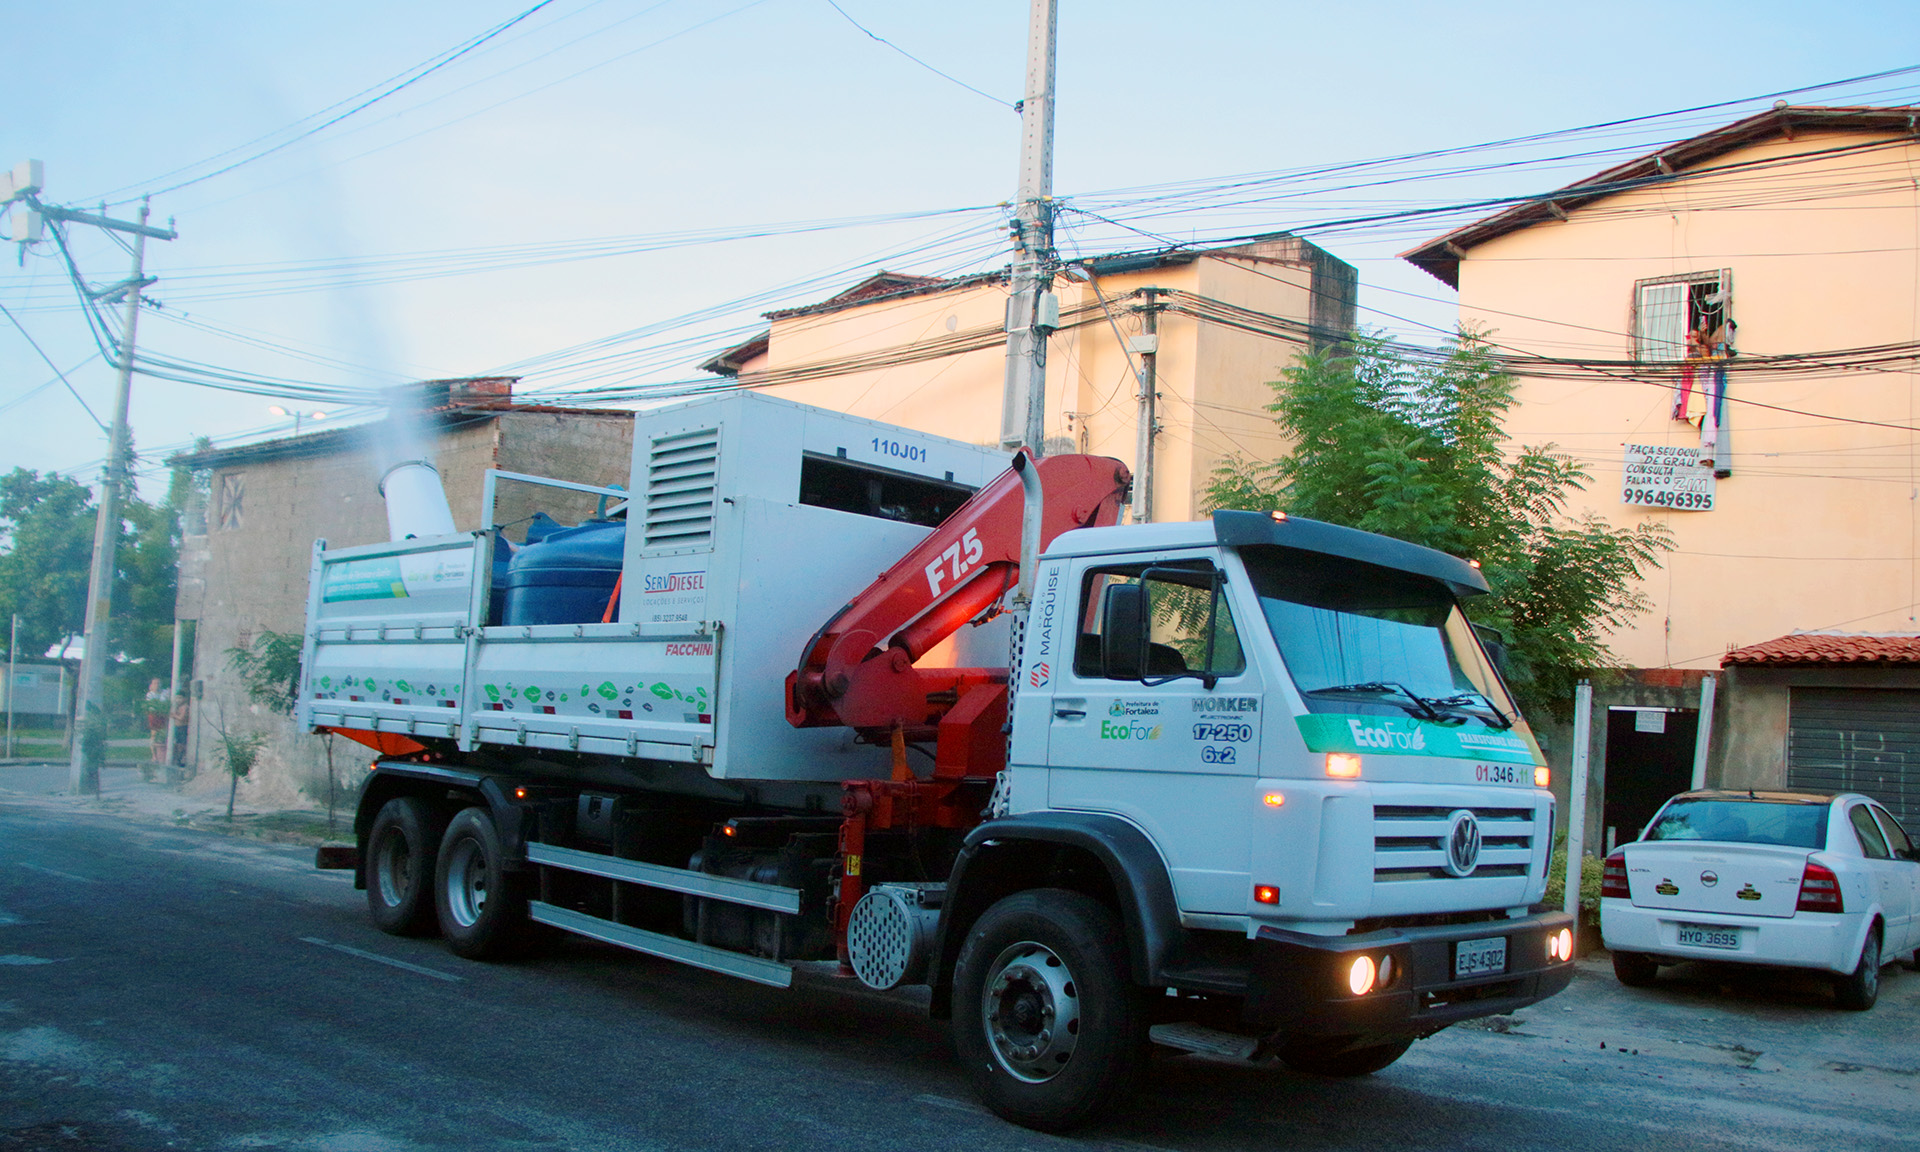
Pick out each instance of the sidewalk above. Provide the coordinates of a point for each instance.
(201, 803)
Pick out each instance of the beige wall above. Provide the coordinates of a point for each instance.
(1212, 380)
(1817, 526)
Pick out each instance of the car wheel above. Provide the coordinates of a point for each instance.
(1047, 1021)
(482, 909)
(1635, 969)
(1858, 991)
(1327, 1058)
(399, 870)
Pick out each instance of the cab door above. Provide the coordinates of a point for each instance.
(1170, 742)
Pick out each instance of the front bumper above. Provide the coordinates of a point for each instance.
(1298, 984)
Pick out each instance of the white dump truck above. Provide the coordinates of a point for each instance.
(817, 693)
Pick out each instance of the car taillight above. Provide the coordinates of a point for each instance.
(1819, 890)
(1613, 880)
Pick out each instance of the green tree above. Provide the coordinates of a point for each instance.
(46, 543)
(1411, 446)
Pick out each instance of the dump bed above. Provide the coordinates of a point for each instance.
(752, 521)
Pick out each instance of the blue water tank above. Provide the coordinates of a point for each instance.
(567, 577)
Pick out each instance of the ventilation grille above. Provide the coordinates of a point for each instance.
(680, 475)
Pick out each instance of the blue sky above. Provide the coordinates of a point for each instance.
(598, 119)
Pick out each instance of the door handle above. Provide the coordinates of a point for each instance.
(1070, 713)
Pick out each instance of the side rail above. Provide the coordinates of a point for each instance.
(387, 632)
(397, 641)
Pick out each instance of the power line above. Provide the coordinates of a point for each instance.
(404, 80)
(61, 376)
(937, 72)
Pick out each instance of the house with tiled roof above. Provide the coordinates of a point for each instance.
(1826, 712)
(1208, 326)
(1725, 334)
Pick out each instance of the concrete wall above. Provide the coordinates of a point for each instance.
(1753, 713)
(1818, 526)
(249, 571)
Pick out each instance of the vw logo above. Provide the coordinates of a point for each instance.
(1709, 878)
(1463, 843)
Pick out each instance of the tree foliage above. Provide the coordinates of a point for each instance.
(1413, 447)
(269, 668)
(46, 554)
(46, 543)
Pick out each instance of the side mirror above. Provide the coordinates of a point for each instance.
(1123, 634)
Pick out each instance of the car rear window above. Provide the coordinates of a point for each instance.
(1743, 822)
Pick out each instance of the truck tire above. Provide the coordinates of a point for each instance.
(1047, 1021)
(1635, 969)
(482, 909)
(1857, 991)
(400, 852)
(1324, 1058)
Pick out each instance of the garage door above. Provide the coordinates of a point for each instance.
(1858, 740)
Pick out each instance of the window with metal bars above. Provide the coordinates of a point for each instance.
(1683, 317)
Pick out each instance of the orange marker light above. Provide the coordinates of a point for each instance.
(1343, 765)
(1278, 516)
(520, 793)
(1266, 894)
(1543, 777)
(1273, 799)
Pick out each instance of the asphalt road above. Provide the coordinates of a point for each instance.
(168, 988)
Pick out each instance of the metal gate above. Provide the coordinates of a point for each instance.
(1858, 740)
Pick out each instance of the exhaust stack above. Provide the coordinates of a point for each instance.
(416, 503)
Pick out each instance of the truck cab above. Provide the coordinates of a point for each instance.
(1296, 726)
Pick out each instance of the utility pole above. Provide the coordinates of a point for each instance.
(13, 682)
(82, 776)
(1033, 311)
(1147, 344)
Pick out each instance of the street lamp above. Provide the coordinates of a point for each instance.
(297, 415)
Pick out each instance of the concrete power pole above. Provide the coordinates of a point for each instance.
(1147, 344)
(83, 776)
(1033, 311)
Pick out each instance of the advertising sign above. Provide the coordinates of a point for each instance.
(1657, 476)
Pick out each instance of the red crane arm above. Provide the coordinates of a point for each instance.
(858, 670)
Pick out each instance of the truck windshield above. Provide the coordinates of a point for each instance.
(1367, 640)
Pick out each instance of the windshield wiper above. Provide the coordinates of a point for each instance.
(1468, 701)
(1416, 704)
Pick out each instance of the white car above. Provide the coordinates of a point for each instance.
(1795, 879)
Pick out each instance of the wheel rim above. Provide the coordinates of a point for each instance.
(393, 868)
(1031, 1010)
(466, 882)
(1870, 967)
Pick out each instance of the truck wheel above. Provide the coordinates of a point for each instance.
(400, 849)
(1324, 1058)
(483, 910)
(1047, 1022)
(1634, 969)
(1858, 991)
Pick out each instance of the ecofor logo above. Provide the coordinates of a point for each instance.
(1384, 736)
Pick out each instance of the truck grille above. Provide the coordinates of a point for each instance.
(1409, 842)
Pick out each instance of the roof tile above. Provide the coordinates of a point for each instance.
(1801, 648)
